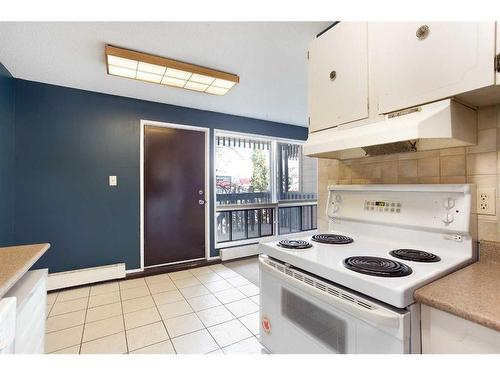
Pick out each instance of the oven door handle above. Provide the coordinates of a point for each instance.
(377, 316)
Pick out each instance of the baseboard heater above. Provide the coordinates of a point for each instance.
(60, 280)
(238, 252)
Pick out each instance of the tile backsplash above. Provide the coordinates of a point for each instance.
(479, 165)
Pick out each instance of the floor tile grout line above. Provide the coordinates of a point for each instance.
(235, 318)
(205, 327)
(156, 305)
(84, 319)
(156, 343)
(123, 319)
(97, 320)
(69, 312)
(162, 321)
(66, 347)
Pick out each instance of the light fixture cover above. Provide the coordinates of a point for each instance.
(150, 68)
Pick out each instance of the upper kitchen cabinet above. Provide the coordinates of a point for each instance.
(415, 63)
(338, 76)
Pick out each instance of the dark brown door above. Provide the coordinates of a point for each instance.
(174, 193)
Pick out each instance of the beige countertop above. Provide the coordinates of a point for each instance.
(472, 293)
(15, 261)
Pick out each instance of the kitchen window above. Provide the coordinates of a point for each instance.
(264, 187)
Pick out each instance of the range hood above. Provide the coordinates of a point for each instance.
(442, 124)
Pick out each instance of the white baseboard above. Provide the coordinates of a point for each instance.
(239, 252)
(84, 276)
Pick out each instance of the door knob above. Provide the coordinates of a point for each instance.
(201, 202)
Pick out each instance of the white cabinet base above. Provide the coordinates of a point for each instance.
(444, 333)
(31, 295)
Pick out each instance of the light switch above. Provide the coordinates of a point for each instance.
(113, 181)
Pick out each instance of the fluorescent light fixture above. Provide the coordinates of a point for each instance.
(195, 86)
(173, 81)
(148, 77)
(150, 68)
(123, 72)
(200, 78)
(216, 90)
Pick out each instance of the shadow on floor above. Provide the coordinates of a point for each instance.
(248, 268)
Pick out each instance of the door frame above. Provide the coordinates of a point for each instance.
(159, 124)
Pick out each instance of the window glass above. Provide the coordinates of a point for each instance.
(238, 225)
(242, 168)
(297, 174)
(223, 226)
(250, 171)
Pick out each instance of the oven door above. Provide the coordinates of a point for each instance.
(303, 314)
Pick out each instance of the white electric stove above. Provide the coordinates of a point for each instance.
(350, 289)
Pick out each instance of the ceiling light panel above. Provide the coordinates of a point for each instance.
(173, 81)
(216, 90)
(150, 68)
(195, 86)
(181, 74)
(199, 78)
(122, 72)
(223, 83)
(148, 77)
(121, 62)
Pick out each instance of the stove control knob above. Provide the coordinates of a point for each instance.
(338, 198)
(448, 218)
(449, 203)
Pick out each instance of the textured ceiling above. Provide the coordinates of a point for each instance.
(269, 57)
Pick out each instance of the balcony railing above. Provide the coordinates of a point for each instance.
(292, 219)
(243, 198)
(297, 196)
(235, 223)
(238, 224)
(262, 197)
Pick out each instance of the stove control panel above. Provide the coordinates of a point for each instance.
(383, 206)
(441, 208)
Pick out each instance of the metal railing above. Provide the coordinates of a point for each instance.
(297, 195)
(243, 224)
(237, 223)
(292, 219)
(243, 198)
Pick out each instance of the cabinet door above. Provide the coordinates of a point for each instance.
(338, 76)
(416, 63)
(497, 60)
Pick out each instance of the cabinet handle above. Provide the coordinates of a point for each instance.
(333, 75)
(423, 32)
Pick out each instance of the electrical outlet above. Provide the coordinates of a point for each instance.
(486, 201)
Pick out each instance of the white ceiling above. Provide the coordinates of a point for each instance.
(269, 57)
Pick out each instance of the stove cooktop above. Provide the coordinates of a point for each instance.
(332, 239)
(415, 255)
(376, 266)
(395, 288)
(294, 244)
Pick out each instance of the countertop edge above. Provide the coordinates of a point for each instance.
(28, 263)
(424, 296)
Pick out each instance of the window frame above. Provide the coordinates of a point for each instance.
(274, 176)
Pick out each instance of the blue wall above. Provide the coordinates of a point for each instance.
(6, 156)
(68, 142)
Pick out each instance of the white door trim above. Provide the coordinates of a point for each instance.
(207, 185)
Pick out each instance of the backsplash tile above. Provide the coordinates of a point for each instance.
(479, 165)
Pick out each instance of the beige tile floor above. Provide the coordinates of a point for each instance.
(203, 310)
